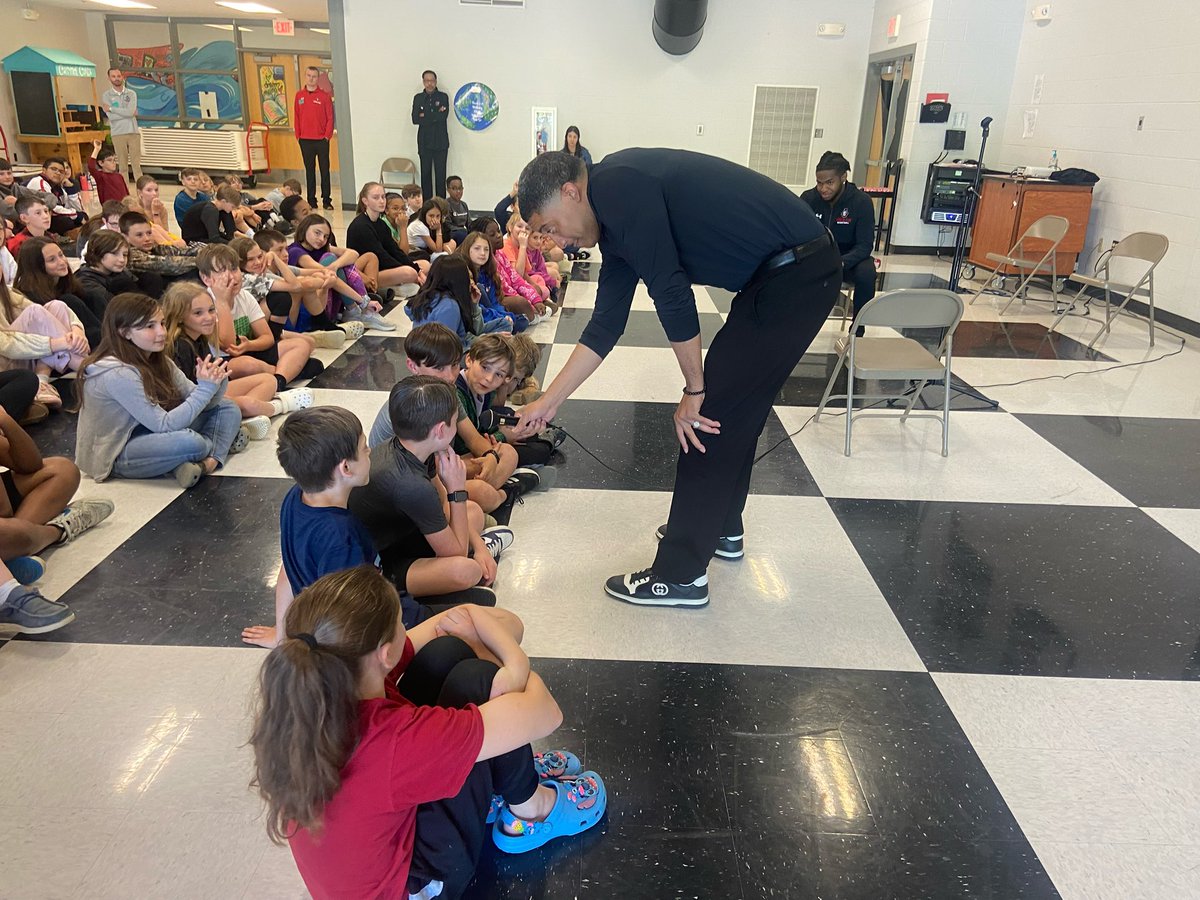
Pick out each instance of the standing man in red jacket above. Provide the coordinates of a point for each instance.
(312, 117)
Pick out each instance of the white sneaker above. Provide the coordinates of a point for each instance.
(328, 340)
(300, 398)
(258, 427)
(81, 516)
(378, 322)
(497, 539)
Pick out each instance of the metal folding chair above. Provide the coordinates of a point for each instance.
(1047, 228)
(404, 169)
(898, 358)
(1146, 246)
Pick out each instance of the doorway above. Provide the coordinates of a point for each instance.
(888, 82)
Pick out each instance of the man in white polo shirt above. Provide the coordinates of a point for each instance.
(120, 105)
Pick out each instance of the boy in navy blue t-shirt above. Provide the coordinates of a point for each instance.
(324, 450)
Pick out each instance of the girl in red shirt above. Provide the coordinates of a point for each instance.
(384, 756)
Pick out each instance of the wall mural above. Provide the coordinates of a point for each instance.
(156, 94)
(273, 90)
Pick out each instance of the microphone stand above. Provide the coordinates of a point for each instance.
(960, 241)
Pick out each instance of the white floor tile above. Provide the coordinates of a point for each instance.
(178, 853)
(993, 458)
(1121, 871)
(796, 601)
(48, 851)
(1073, 795)
(646, 374)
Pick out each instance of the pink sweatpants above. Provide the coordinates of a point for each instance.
(52, 320)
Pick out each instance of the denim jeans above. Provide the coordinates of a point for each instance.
(148, 454)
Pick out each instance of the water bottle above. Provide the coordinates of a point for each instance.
(1054, 160)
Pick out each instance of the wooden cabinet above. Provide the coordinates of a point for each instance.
(1007, 206)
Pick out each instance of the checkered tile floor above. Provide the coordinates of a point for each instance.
(972, 676)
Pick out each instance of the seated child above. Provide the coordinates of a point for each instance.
(460, 214)
(148, 255)
(243, 335)
(308, 293)
(476, 249)
(426, 547)
(493, 480)
(139, 417)
(413, 200)
(490, 362)
(425, 232)
(11, 191)
(103, 167)
(44, 274)
(34, 216)
(368, 234)
(526, 356)
(102, 275)
(294, 209)
(190, 195)
(392, 796)
(36, 510)
(47, 338)
(312, 251)
(541, 267)
(271, 281)
(190, 317)
(257, 212)
(450, 296)
(516, 294)
(323, 450)
(289, 188)
(145, 200)
(516, 249)
(395, 216)
(212, 221)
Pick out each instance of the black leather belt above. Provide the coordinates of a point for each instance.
(795, 254)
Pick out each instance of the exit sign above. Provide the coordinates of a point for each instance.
(283, 27)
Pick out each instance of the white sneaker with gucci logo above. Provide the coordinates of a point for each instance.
(646, 589)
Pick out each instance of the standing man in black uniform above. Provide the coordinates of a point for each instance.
(672, 219)
(850, 215)
(430, 110)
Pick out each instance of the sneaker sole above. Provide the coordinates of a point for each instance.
(8, 630)
(329, 340)
(692, 603)
(258, 427)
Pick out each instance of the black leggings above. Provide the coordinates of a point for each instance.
(87, 318)
(451, 832)
(18, 387)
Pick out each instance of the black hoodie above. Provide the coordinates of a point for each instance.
(851, 219)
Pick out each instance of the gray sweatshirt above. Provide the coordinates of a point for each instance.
(115, 403)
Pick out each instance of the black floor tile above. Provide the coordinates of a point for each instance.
(1152, 462)
(642, 330)
(1008, 340)
(638, 441)
(786, 864)
(195, 575)
(1033, 590)
(806, 386)
(55, 435)
(629, 861)
(369, 364)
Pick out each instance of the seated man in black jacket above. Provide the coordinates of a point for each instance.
(850, 215)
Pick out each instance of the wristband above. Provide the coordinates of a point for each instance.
(457, 496)
(493, 452)
(688, 393)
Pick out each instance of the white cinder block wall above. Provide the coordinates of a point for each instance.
(1105, 64)
(599, 65)
(966, 48)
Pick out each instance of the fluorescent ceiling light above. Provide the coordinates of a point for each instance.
(124, 4)
(249, 7)
(227, 27)
(320, 30)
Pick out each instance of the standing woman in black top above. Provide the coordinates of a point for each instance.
(430, 110)
(673, 219)
(369, 233)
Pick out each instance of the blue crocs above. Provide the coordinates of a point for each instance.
(580, 805)
(556, 764)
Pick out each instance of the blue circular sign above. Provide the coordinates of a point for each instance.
(475, 106)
